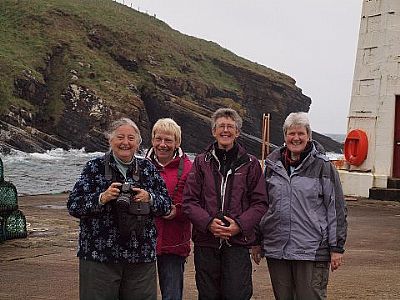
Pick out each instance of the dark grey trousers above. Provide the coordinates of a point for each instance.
(298, 279)
(223, 273)
(120, 281)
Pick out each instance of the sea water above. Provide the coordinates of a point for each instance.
(54, 171)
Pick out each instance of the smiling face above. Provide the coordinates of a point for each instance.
(164, 145)
(296, 139)
(225, 132)
(124, 142)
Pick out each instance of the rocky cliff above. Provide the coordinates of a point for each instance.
(68, 68)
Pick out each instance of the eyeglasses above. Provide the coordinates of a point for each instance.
(229, 127)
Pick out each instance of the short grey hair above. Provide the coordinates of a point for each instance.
(297, 119)
(227, 113)
(120, 122)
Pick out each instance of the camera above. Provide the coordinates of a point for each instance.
(124, 202)
(220, 216)
(124, 198)
(131, 215)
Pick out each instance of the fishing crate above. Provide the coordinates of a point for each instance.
(8, 197)
(2, 232)
(14, 225)
(1, 171)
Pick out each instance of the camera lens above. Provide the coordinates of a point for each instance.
(123, 202)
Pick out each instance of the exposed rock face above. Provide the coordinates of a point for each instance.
(16, 133)
(86, 116)
(260, 94)
(29, 88)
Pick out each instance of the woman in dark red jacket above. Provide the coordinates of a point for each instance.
(224, 198)
(173, 230)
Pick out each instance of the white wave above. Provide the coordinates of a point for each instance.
(83, 153)
(49, 155)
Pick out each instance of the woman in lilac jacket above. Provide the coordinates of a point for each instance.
(224, 197)
(304, 231)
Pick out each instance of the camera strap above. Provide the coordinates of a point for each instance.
(179, 174)
(136, 173)
(108, 173)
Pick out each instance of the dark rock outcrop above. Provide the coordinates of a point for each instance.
(85, 116)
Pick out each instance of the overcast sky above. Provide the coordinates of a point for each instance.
(313, 41)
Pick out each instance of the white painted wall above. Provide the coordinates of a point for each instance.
(376, 82)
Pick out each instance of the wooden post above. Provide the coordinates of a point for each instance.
(262, 141)
(265, 138)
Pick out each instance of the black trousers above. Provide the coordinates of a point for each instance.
(120, 281)
(223, 273)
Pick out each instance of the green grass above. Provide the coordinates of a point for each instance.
(31, 31)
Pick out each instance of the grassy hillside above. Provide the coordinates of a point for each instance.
(87, 35)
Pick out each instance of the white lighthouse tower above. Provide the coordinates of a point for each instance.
(372, 147)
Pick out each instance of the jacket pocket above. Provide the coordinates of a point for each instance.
(320, 274)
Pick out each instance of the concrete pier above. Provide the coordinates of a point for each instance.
(44, 265)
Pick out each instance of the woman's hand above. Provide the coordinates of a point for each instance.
(336, 260)
(111, 193)
(256, 254)
(141, 195)
(220, 230)
(172, 213)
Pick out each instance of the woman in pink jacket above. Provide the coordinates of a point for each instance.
(173, 230)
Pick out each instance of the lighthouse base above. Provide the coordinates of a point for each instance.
(359, 183)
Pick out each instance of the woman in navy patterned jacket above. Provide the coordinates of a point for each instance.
(116, 248)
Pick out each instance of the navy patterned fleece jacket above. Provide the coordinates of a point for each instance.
(99, 237)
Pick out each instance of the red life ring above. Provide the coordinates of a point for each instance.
(356, 147)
